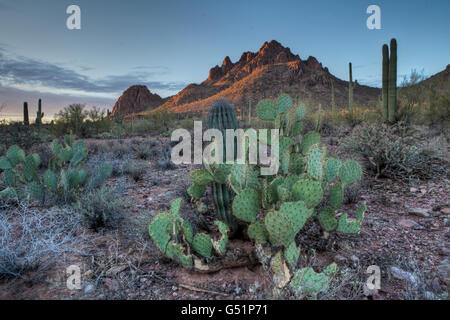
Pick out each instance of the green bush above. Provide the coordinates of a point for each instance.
(136, 171)
(100, 208)
(81, 122)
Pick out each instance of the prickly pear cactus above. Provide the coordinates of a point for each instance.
(175, 238)
(308, 187)
(307, 283)
(63, 177)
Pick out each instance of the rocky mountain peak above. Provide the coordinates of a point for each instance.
(136, 99)
(227, 65)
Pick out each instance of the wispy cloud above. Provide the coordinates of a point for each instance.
(26, 73)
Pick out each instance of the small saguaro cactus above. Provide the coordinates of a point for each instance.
(118, 119)
(385, 90)
(26, 119)
(39, 113)
(392, 100)
(389, 91)
(350, 89)
(250, 113)
(333, 99)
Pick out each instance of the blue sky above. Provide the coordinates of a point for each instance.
(169, 44)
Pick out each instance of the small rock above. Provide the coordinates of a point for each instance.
(111, 284)
(354, 259)
(444, 270)
(436, 285)
(202, 208)
(400, 274)
(428, 295)
(444, 251)
(446, 281)
(419, 212)
(115, 270)
(406, 223)
(413, 189)
(89, 274)
(89, 288)
(445, 211)
(340, 259)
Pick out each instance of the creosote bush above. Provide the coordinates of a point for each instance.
(391, 151)
(136, 171)
(100, 208)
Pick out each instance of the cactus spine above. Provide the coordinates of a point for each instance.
(350, 90)
(222, 116)
(392, 100)
(26, 119)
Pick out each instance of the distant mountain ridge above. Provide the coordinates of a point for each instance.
(271, 70)
(266, 73)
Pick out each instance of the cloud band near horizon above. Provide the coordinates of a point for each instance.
(29, 74)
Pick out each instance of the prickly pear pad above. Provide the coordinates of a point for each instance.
(246, 205)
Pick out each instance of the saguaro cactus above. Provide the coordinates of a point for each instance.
(392, 100)
(222, 116)
(250, 112)
(333, 100)
(118, 119)
(385, 90)
(26, 119)
(350, 89)
(39, 114)
(389, 91)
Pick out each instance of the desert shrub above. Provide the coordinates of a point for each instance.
(118, 166)
(165, 162)
(106, 135)
(391, 151)
(161, 121)
(71, 118)
(353, 193)
(93, 147)
(143, 150)
(120, 150)
(136, 171)
(100, 208)
(34, 241)
(437, 110)
(24, 136)
(187, 124)
(81, 122)
(138, 127)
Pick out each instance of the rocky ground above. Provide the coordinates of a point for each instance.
(406, 233)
